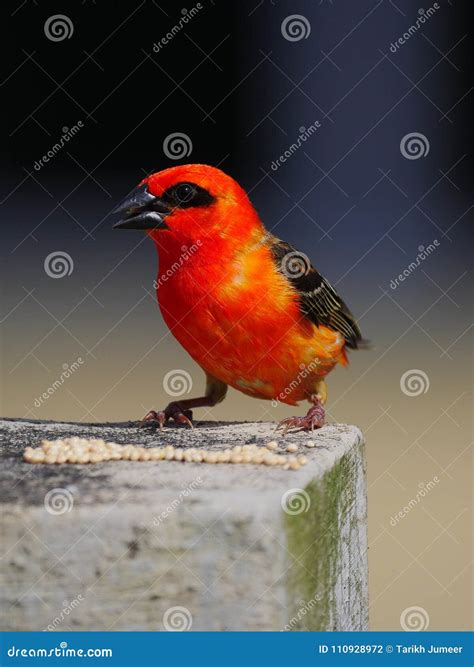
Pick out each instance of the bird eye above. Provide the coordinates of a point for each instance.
(184, 192)
(187, 195)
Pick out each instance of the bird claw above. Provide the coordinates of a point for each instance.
(314, 419)
(151, 416)
(174, 411)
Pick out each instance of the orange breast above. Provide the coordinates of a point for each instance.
(240, 321)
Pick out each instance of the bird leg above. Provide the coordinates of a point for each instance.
(181, 411)
(313, 419)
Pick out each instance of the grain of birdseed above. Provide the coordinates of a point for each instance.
(82, 451)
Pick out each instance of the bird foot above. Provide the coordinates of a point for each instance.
(174, 411)
(313, 419)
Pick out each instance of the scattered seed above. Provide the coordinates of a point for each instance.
(82, 451)
(39, 457)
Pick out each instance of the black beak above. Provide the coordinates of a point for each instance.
(142, 210)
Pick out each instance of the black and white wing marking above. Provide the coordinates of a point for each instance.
(319, 301)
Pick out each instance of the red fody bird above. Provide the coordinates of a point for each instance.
(249, 309)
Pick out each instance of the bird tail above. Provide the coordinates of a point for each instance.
(364, 344)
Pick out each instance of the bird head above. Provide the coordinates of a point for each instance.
(189, 203)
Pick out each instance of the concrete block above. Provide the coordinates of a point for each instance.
(174, 546)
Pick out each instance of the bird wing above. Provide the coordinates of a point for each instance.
(319, 301)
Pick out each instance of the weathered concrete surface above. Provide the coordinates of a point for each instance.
(140, 538)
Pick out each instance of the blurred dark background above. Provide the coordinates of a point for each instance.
(242, 92)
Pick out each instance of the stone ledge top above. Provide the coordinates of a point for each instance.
(157, 482)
